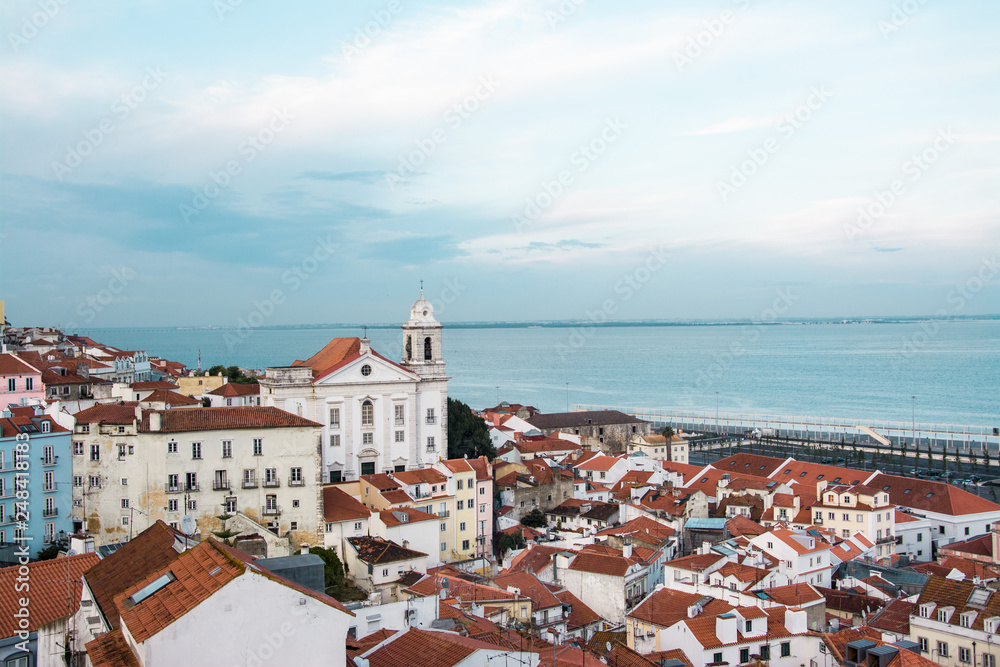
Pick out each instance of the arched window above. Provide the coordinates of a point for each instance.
(427, 349)
(409, 348)
(367, 414)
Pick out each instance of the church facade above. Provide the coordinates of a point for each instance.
(377, 415)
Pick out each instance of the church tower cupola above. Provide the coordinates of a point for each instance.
(422, 340)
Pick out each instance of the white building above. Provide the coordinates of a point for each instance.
(216, 603)
(133, 466)
(377, 415)
(801, 557)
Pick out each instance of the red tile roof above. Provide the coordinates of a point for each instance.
(599, 463)
(338, 353)
(580, 614)
(54, 593)
(666, 607)
(457, 465)
(530, 587)
(105, 413)
(341, 506)
(420, 476)
(149, 551)
(895, 617)
(534, 559)
(152, 384)
(212, 419)
(392, 518)
(111, 650)
(11, 365)
(235, 389)
(425, 648)
(741, 525)
(794, 595)
(374, 550)
(170, 398)
(695, 562)
(616, 566)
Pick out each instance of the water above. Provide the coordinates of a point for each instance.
(850, 371)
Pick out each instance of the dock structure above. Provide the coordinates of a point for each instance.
(824, 429)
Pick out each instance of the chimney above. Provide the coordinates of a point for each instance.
(304, 548)
(83, 370)
(725, 629)
(693, 610)
(365, 345)
(706, 547)
(796, 621)
(154, 421)
(627, 549)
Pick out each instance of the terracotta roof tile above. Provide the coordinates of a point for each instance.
(374, 550)
(235, 389)
(341, 506)
(224, 418)
(170, 398)
(54, 593)
(111, 650)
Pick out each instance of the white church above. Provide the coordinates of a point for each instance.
(377, 415)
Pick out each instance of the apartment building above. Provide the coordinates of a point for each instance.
(857, 508)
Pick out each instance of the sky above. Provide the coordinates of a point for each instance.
(218, 162)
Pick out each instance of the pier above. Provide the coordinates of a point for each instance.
(964, 438)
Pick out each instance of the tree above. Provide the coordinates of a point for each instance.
(232, 374)
(54, 549)
(511, 542)
(668, 432)
(534, 519)
(333, 568)
(467, 433)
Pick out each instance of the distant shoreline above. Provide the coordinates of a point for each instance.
(570, 324)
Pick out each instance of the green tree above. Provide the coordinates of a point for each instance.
(511, 542)
(467, 433)
(333, 569)
(534, 519)
(668, 432)
(54, 549)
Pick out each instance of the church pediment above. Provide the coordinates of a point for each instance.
(368, 369)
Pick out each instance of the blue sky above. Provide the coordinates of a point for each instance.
(527, 159)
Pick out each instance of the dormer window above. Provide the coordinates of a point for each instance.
(967, 618)
(927, 609)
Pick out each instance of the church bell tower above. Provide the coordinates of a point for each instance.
(422, 352)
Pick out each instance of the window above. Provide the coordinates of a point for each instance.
(461, 527)
(966, 530)
(270, 476)
(482, 508)
(78, 448)
(831, 516)
(294, 525)
(249, 478)
(367, 414)
(335, 440)
(430, 442)
(227, 449)
(196, 450)
(444, 546)
(121, 429)
(942, 649)
(368, 438)
(258, 446)
(749, 626)
(399, 436)
(430, 416)
(334, 417)
(989, 660)
(717, 658)
(335, 476)
(482, 490)
(95, 452)
(12, 384)
(357, 525)
(465, 545)
(444, 527)
(922, 641)
(172, 505)
(765, 652)
(124, 481)
(95, 481)
(295, 476)
(786, 649)
(124, 520)
(192, 481)
(192, 505)
(231, 505)
(964, 654)
(171, 448)
(458, 484)
(124, 503)
(78, 480)
(399, 411)
(459, 505)
(744, 656)
(846, 517)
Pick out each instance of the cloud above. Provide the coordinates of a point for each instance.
(565, 244)
(366, 177)
(887, 249)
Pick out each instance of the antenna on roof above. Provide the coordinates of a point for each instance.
(188, 525)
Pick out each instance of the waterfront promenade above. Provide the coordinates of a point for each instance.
(964, 438)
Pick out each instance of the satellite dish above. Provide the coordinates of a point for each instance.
(188, 525)
(607, 645)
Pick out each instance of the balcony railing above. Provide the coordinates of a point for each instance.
(444, 515)
(888, 539)
(431, 420)
(250, 484)
(221, 485)
(271, 483)
(193, 487)
(296, 482)
(270, 511)
(173, 488)
(49, 461)
(48, 488)
(47, 514)
(818, 521)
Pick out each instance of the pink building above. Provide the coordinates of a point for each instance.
(484, 494)
(20, 383)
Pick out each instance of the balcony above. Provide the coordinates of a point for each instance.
(250, 484)
(48, 462)
(48, 514)
(431, 420)
(193, 487)
(173, 488)
(270, 511)
(888, 539)
(818, 521)
(48, 488)
(221, 485)
(271, 483)
(296, 482)
(444, 515)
